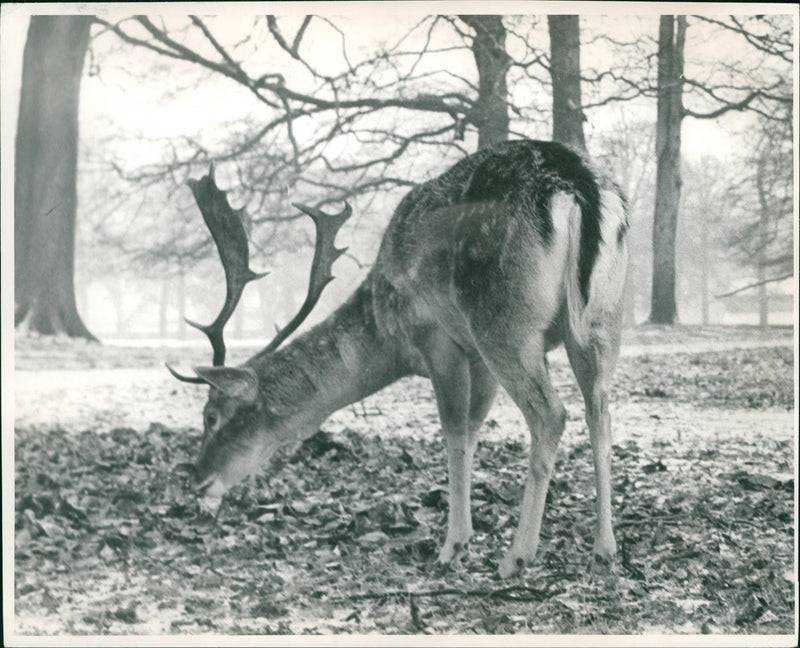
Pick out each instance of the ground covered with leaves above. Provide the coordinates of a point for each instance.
(342, 536)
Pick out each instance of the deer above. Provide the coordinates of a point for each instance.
(481, 271)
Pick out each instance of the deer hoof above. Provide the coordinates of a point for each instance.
(512, 565)
(605, 550)
(601, 565)
(452, 552)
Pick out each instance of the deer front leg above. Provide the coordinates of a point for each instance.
(461, 445)
(449, 371)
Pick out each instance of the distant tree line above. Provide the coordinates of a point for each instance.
(370, 129)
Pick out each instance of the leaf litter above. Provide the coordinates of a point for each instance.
(342, 536)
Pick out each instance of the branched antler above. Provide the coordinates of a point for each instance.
(227, 230)
(325, 253)
(225, 225)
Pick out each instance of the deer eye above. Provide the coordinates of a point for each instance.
(211, 419)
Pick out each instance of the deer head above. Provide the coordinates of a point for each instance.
(240, 430)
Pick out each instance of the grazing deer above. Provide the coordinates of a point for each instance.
(481, 271)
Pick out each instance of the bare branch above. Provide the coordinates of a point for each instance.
(298, 37)
(754, 285)
(214, 42)
(293, 49)
(272, 24)
(133, 40)
(739, 105)
(766, 44)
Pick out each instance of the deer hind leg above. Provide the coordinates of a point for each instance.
(451, 374)
(520, 365)
(593, 365)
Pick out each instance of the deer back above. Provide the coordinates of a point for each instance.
(468, 227)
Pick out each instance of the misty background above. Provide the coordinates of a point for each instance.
(149, 120)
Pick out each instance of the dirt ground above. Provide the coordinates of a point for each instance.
(342, 536)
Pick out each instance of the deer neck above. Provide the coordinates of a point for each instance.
(338, 362)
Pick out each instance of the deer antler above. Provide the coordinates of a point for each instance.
(325, 253)
(227, 230)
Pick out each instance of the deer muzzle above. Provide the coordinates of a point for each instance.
(208, 485)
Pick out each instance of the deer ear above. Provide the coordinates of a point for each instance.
(234, 382)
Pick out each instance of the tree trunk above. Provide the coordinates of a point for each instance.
(763, 205)
(163, 305)
(663, 309)
(45, 176)
(704, 297)
(489, 48)
(182, 305)
(82, 296)
(763, 299)
(565, 71)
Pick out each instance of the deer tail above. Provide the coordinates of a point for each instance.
(596, 268)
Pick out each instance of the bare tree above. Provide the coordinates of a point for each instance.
(565, 70)
(45, 163)
(671, 40)
(490, 112)
(365, 128)
(749, 73)
(702, 255)
(760, 232)
(372, 120)
(325, 135)
(759, 89)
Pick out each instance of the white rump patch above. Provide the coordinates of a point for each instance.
(610, 266)
(607, 280)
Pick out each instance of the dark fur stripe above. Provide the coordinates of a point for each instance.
(621, 231)
(583, 184)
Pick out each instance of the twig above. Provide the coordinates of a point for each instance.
(511, 593)
(728, 522)
(745, 522)
(415, 616)
(650, 520)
